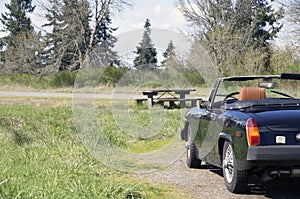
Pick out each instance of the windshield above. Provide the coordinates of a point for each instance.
(274, 91)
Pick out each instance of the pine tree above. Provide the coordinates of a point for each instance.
(68, 41)
(22, 45)
(266, 29)
(169, 55)
(146, 53)
(266, 23)
(105, 41)
(16, 20)
(170, 50)
(72, 36)
(53, 39)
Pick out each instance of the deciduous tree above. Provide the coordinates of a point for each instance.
(228, 29)
(293, 16)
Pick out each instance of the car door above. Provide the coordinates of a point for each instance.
(210, 126)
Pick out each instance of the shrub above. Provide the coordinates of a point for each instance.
(63, 79)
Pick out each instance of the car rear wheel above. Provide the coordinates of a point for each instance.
(236, 180)
(192, 159)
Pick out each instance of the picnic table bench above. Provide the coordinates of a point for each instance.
(160, 96)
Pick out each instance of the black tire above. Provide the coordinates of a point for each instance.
(192, 160)
(236, 180)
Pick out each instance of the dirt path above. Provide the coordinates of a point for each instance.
(209, 183)
(68, 95)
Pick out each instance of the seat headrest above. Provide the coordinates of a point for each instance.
(252, 94)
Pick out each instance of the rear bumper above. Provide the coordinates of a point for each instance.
(274, 153)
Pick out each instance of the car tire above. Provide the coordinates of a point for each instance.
(192, 160)
(236, 180)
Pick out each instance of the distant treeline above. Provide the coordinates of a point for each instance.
(237, 35)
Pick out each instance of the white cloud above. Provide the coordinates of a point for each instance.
(3, 34)
(157, 8)
(162, 15)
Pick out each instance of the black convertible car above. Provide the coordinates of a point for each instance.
(249, 127)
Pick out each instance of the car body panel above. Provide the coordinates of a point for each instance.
(277, 118)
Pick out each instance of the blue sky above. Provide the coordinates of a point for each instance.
(163, 14)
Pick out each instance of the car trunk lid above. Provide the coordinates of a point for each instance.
(280, 121)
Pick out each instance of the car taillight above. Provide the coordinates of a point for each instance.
(252, 132)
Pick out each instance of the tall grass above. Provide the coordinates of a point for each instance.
(42, 157)
(139, 115)
(110, 77)
(58, 80)
(24, 80)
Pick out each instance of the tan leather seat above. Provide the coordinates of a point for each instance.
(252, 94)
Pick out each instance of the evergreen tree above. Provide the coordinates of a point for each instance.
(22, 45)
(16, 20)
(72, 36)
(169, 55)
(266, 23)
(76, 31)
(263, 23)
(146, 53)
(2, 51)
(22, 57)
(104, 41)
(266, 29)
(68, 42)
(53, 39)
(170, 49)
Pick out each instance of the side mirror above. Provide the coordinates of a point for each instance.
(203, 104)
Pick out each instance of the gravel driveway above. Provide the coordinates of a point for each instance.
(208, 183)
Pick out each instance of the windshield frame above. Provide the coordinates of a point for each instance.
(216, 95)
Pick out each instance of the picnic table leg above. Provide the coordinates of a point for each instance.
(139, 101)
(182, 101)
(150, 102)
(172, 104)
(193, 103)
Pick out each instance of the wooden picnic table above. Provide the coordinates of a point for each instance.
(172, 95)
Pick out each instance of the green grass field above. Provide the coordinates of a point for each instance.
(43, 157)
